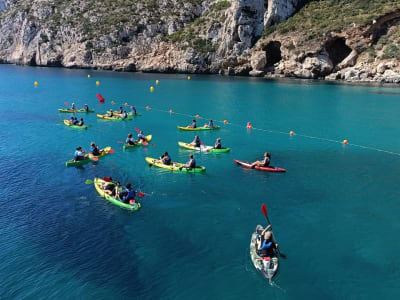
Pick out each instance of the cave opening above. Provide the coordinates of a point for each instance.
(273, 53)
(337, 50)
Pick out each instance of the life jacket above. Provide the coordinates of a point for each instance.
(266, 249)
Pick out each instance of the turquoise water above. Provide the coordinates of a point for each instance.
(334, 213)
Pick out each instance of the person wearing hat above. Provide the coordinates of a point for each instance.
(265, 244)
(79, 154)
(218, 144)
(264, 163)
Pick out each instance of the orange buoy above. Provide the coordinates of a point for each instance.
(197, 116)
(225, 122)
(126, 104)
(147, 107)
(170, 111)
(345, 142)
(292, 132)
(249, 126)
(112, 102)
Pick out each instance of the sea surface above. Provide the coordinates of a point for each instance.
(335, 212)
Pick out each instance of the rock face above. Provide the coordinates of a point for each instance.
(209, 36)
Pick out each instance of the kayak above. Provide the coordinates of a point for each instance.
(174, 166)
(105, 117)
(197, 128)
(129, 114)
(203, 148)
(148, 138)
(98, 184)
(267, 266)
(266, 169)
(72, 163)
(75, 111)
(66, 122)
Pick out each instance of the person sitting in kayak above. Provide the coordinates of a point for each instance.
(110, 114)
(191, 163)
(127, 195)
(133, 110)
(194, 124)
(166, 159)
(196, 142)
(218, 144)
(73, 106)
(79, 154)
(81, 123)
(129, 140)
(71, 121)
(112, 188)
(124, 115)
(263, 163)
(86, 108)
(210, 124)
(141, 136)
(95, 149)
(75, 121)
(265, 245)
(121, 110)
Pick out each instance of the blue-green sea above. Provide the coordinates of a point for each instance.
(335, 212)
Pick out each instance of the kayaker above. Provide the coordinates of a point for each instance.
(112, 188)
(141, 136)
(120, 110)
(79, 154)
(265, 245)
(133, 110)
(81, 123)
(71, 122)
(124, 115)
(218, 144)
(196, 142)
(191, 164)
(130, 140)
(127, 194)
(263, 163)
(110, 114)
(73, 106)
(86, 108)
(194, 124)
(95, 149)
(166, 159)
(75, 122)
(210, 124)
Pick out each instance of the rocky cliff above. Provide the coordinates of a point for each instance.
(353, 40)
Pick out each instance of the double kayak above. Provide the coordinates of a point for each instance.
(268, 266)
(75, 110)
(105, 117)
(98, 184)
(148, 139)
(202, 148)
(88, 158)
(198, 128)
(266, 169)
(129, 114)
(66, 122)
(174, 166)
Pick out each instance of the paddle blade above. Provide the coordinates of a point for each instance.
(137, 129)
(120, 142)
(95, 159)
(89, 181)
(107, 179)
(282, 255)
(145, 143)
(66, 103)
(264, 210)
(140, 194)
(111, 151)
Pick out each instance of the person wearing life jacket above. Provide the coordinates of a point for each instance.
(166, 159)
(124, 115)
(110, 114)
(95, 149)
(129, 140)
(133, 110)
(196, 142)
(264, 163)
(210, 124)
(265, 244)
(218, 144)
(71, 122)
(81, 123)
(86, 108)
(141, 137)
(79, 154)
(75, 121)
(127, 194)
(120, 110)
(73, 106)
(194, 124)
(191, 163)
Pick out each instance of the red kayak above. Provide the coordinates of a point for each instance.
(266, 169)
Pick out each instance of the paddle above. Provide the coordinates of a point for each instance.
(89, 181)
(140, 194)
(111, 151)
(145, 143)
(120, 142)
(66, 103)
(265, 213)
(137, 129)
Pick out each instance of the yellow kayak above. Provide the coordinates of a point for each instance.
(105, 117)
(148, 139)
(174, 166)
(66, 122)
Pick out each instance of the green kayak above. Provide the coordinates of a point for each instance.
(98, 184)
(148, 138)
(75, 111)
(129, 114)
(66, 122)
(203, 148)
